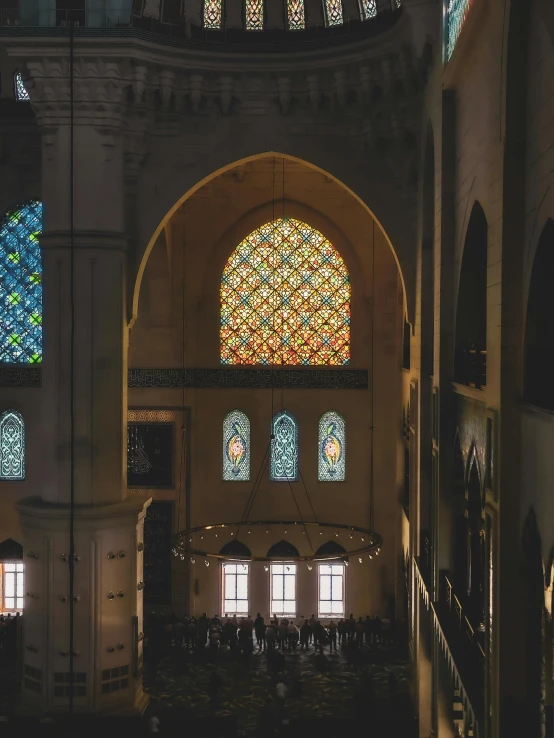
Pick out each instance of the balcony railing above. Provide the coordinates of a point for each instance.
(471, 367)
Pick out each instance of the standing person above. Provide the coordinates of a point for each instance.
(312, 622)
(351, 628)
(293, 635)
(359, 629)
(304, 636)
(341, 628)
(332, 631)
(282, 634)
(368, 630)
(270, 636)
(259, 629)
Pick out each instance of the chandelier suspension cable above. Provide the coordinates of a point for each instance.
(307, 494)
(254, 491)
(183, 390)
(372, 382)
(300, 516)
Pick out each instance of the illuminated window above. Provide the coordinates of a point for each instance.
(295, 15)
(236, 447)
(283, 590)
(213, 14)
(235, 589)
(331, 591)
(21, 285)
(254, 15)
(333, 12)
(456, 14)
(284, 448)
(368, 8)
(12, 446)
(12, 586)
(20, 90)
(285, 299)
(331, 464)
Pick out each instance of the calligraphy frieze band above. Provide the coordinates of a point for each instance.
(226, 378)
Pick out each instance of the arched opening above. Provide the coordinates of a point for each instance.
(539, 327)
(475, 548)
(535, 622)
(470, 354)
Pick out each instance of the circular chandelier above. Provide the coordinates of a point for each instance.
(221, 541)
(205, 541)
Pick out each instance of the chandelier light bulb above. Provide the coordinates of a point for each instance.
(363, 539)
(202, 538)
(232, 533)
(192, 560)
(266, 568)
(336, 535)
(310, 567)
(377, 552)
(346, 563)
(360, 559)
(206, 562)
(351, 536)
(370, 556)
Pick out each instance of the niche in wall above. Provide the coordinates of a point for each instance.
(150, 455)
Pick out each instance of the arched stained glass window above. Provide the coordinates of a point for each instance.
(331, 459)
(295, 15)
(285, 299)
(21, 285)
(236, 447)
(333, 12)
(20, 90)
(368, 8)
(284, 448)
(12, 446)
(213, 14)
(254, 15)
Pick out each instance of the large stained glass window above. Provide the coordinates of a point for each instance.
(254, 15)
(456, 14)
(295, 15)
(285, 299)
(333, 12)
(21, 285)
(12, 446)
(284, 448)
(331, 459)
(213, 14)
(369, 8)
(20, 90)
(236, 447)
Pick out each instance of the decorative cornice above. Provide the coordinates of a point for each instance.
(230, 378)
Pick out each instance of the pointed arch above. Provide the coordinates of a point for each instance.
(470, 357)
(236, 447)
(331, 457)
(539, 326)
(21, 285)
(12, 446)
(284, 448)
(285, 299)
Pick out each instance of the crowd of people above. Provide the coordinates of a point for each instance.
(246, 634)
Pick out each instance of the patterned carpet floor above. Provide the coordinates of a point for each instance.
(370, 687)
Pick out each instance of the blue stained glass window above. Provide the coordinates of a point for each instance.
(20, 90)
(456, 14)
(331, 459)
(236, 447)
(284, 448)
(12, 446)
(21, 285)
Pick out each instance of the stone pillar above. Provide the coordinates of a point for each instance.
(84, 403)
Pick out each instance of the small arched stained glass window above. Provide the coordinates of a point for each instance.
(295, 15)
(284, 448)
(331, 459)
(12, 446)
(285, 299)
(254, 15)
(368, 8)
(21, 285)
(213, 14)
(236, 447)
(333, 12)
(20, 90)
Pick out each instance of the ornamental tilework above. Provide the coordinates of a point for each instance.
(284, 448)
(369, 9)
(12, 446)
(331, 463)
(21, 285)
(236, 447)
(285, 299)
